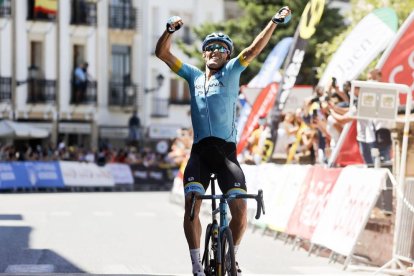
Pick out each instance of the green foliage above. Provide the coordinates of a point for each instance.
(360, 8)
(256, 14)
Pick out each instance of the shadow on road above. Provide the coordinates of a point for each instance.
(14, 249)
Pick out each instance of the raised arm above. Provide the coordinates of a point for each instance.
(163, 48)
(258, 44)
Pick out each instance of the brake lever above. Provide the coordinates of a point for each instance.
(260, 205)
(262, 202)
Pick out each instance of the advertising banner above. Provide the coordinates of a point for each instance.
(349, 207)
(85, 175)
(312, 200)
(121, 173)
(14, 175)
(260, 108)
(269, 72)
(152, 177)
(365, 42)
(285, 195)
(310, 18)
(267, 179)
(44, 174)
(349, 153)
(397, 62)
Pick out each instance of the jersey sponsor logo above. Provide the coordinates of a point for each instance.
(214, 83)
(191, 178)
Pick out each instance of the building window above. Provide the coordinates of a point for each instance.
(84, 13)
(122, 14)
(122, 91)
(180, 93)
(5, 8)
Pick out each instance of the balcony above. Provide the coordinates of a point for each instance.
(5, 8)
(88, 97)
(122, 94)
(159, 107)
(84, 13)
(5, 89)
(122, 17)
(41, 91)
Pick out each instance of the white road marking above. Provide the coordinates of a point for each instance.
(145, 214)
(25, 268)
(102, 213)
(60, 213)
(11, 223)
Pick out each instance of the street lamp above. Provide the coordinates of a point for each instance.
(160, 80)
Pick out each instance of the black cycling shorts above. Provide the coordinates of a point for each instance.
(214, 155)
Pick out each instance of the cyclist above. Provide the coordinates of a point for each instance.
(213, 110)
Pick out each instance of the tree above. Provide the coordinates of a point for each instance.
(256, 14)
(359, 9)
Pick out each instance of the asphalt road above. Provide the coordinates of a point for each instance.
(124, 233)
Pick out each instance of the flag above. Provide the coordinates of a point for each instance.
(245, 109)
(269, 72)
(307, 26)
(46, 6)
(349, 153)
(365, 42)
(260, 108)
(397, 62)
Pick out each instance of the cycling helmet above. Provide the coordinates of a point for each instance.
(218, 37)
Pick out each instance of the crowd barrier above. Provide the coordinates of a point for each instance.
(70, 174)
(329, 207)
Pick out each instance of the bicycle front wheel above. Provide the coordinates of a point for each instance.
(209, 265)
(228, 260)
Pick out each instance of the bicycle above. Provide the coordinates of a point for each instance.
(219, 259)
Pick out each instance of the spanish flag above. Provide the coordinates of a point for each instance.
(46, 6)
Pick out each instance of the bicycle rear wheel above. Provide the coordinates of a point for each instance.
(228, 259)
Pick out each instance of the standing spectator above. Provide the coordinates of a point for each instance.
(365, 129)
(81, 82)
(286, 134)
(382, 128)
(134, 125)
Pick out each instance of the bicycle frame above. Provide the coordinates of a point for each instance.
(220, 228)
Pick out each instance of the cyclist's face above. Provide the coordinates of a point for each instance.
(214, 55)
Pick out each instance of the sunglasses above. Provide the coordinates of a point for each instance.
(213, 47)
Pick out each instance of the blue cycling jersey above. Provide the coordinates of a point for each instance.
(213, 102)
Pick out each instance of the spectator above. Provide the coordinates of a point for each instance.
(257, 142)
(365, 129)
(134, 125)
(382, 128)
(80, 82)
(286, 134)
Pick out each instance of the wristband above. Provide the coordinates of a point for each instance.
(170, 24)
(277, 19)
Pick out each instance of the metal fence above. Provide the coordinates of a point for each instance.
(5, 89)
(159, 107)
(122, 94)
(41, 91)
(122, 17)
(405, 241)
(84, 13)
(86, 96)
(5, 8)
